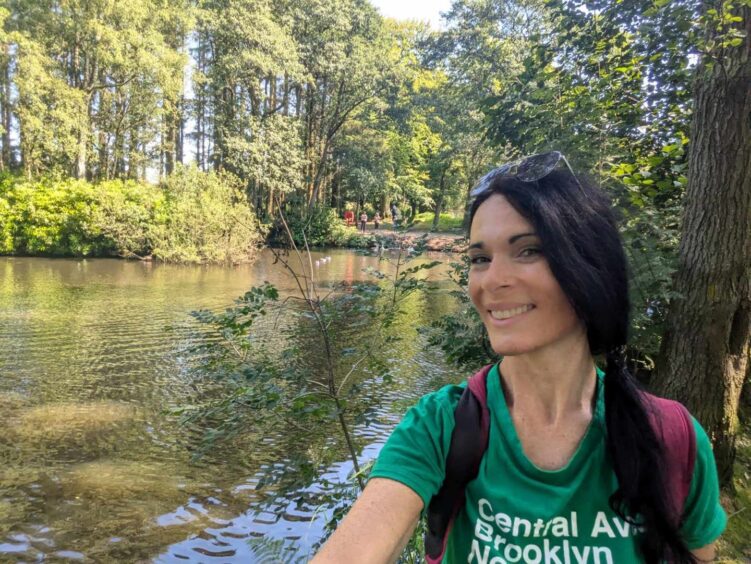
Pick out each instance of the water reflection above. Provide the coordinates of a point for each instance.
(94, 354)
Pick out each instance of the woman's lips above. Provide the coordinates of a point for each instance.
(504, 317)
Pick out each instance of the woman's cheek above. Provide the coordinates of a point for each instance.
(473, 287)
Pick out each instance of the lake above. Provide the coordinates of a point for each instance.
(95, 356)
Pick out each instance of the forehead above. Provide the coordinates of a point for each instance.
(497, 218)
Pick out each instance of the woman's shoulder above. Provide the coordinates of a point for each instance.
(415, 453)
(433, 414)
(441, 400)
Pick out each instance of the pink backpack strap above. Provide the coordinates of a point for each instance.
(469, 441)
(675, 429)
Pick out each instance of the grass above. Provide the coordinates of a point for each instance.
(735, 543)
(449, 221)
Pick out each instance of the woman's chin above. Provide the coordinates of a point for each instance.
(510, 349)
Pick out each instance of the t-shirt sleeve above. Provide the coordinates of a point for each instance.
(704, 517)
(415, 453)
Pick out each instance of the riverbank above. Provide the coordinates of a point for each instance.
(444, 241)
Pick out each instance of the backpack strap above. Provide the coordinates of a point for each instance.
(671, 421)
(469, 441)
(675, 430)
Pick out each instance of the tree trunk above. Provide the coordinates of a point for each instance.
(83, 144)
(439, 200)
(437, 211)
(270, 203)
(705, 351)
(285, 95)
(180, 134)
(6, 112)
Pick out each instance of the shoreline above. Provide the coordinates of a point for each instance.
(440, 241)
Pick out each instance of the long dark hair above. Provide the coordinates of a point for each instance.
(577, 226)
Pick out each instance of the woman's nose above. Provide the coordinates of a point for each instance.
(499, 275)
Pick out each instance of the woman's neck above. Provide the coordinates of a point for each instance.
(551, 384)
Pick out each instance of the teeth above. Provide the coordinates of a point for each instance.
(505, 314)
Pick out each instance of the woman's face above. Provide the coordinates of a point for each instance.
(519, 300)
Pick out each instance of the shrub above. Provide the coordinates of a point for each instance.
(319, 228)
(125, 215)
(205, 218)
(196, 217)
(50, 217)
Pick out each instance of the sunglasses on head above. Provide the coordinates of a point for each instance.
(528, 169)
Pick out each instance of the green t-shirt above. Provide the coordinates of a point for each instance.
(517, 512)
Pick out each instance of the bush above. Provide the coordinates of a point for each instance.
(318, 228)
(195, 217)
(324, 228)
(205, 217)
(49, 217)
(126, 214)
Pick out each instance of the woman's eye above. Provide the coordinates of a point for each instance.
(478, 260)
(530, 252)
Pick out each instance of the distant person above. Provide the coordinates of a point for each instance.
(397, 217)
(349, 217)
(377, 220)
(363, 221)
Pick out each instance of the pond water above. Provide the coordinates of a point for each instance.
(94, 355)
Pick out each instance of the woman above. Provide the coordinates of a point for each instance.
(572, 456)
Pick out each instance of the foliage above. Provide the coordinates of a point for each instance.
(49, 217)
(319, 228)
(95, 81)
(461, 334)
(205, 218)
(446, 222)
(287, 385)
(49, 111)
(269, 154)
(184, 222)
(125, 213)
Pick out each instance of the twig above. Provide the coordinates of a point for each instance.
(344, 381)
(736, 512)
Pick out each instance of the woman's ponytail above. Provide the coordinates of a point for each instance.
(636, 456)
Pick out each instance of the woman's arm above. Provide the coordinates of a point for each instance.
(705, 553)
(377, 527)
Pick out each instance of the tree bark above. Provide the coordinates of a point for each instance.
(439, 200)
(6, 110)
(705, 350)
(285, 95)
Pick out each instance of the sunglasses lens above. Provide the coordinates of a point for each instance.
(537, 166)
(529, 169)
(486, 180)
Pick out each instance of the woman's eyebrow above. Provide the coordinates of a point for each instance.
(515, 238)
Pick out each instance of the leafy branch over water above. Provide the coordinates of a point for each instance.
(331, 338)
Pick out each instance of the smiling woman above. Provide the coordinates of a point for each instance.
(511, 285)
(580, 464)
